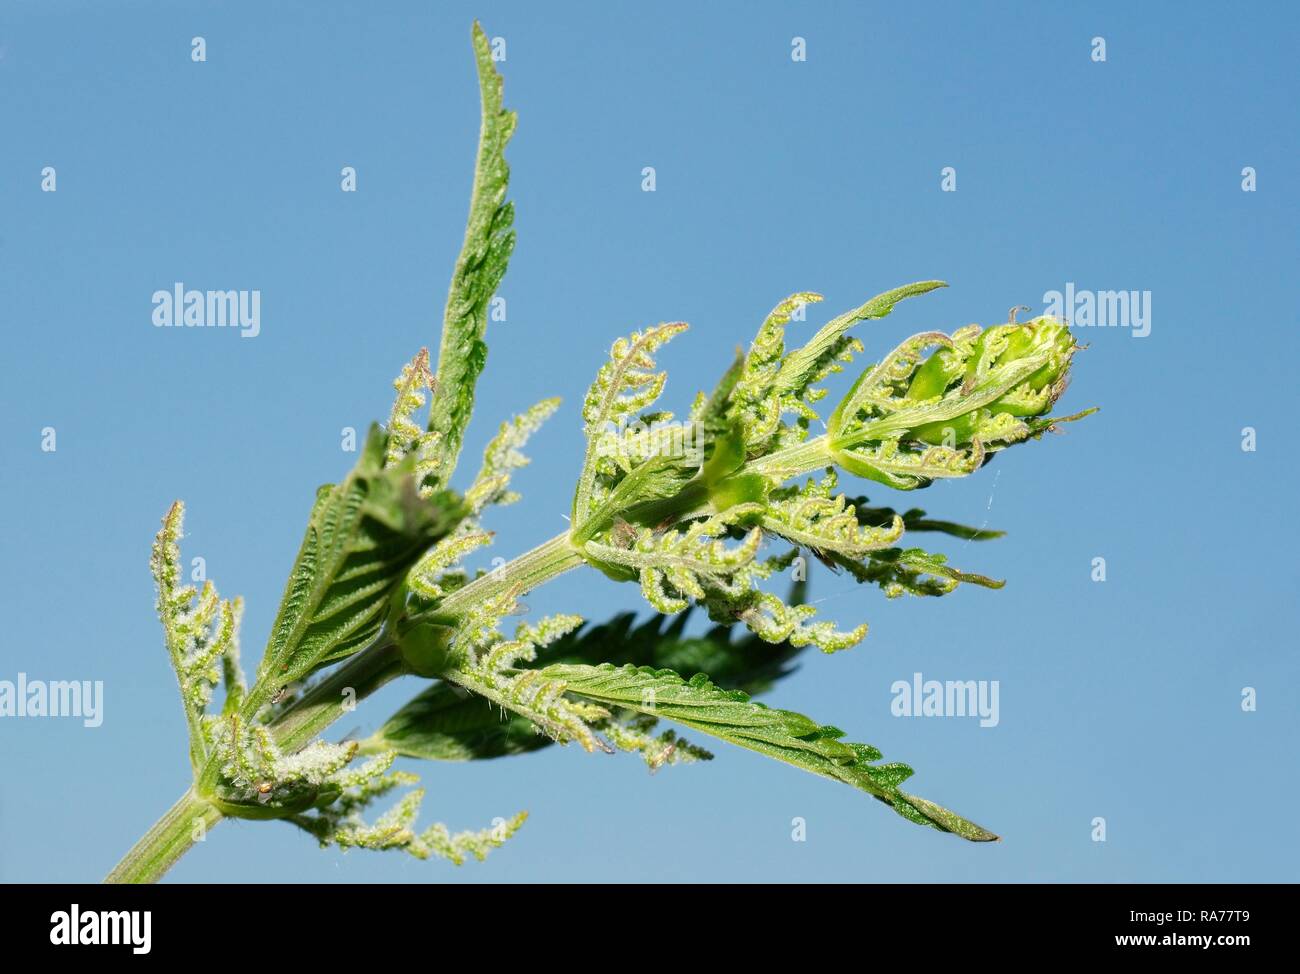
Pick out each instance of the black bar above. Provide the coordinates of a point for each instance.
(332, 924)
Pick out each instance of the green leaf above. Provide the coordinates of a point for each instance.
(904, 469)
(710, 411)
(727, 457)
(502, 457)
(657, 479)
(1000, 380)
(200, 631)
(624, 386)
(782, 734)
(747, 663)
(911, 419)
(448, 723)
(806, 364)
(910, 571)
(899, 365)
(755, 402)
(489, 241)
(363, 536)
(817, 518)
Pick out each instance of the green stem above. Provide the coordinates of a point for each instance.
(172, 835)
(793, 461)
(523, 574)
(168, 840)
(336, 695)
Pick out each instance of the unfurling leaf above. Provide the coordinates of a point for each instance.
(502, 457)
(200, 631)
(340, 822)
(486, 663)
(406, 437)
(912, 419)
(910, 571)
(817, 519)
(625, 385)
(810, 363)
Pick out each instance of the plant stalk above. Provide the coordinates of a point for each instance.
(321, 705)
(169, 839)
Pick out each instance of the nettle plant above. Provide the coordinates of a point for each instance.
(378, 590)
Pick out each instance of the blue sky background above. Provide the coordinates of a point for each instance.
(1118, 699)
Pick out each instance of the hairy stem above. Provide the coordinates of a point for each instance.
(794, 461)
(169, 839)
(336, 695)
(321, 705)
(523, 574)
(173, 834)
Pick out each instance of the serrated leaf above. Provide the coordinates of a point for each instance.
(1000, 380)
(447, 723)
(489, 241)
(782, 734)
(363, 536)
(910, 571)
(891, 464)
(676, 564)
(746, 663)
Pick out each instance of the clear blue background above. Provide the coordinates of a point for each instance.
(1118, 699)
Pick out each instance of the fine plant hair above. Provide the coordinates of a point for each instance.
(378, 590)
